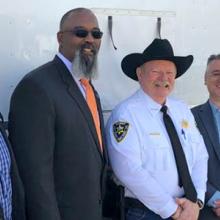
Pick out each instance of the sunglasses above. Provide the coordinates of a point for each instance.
(82, 33)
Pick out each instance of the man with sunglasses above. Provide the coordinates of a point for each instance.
(56, 132)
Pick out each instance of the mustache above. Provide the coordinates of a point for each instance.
(165, 84)
(89, 46)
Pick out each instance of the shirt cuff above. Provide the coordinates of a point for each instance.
(168, 210)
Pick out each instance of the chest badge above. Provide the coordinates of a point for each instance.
(185, 124)
(120, 130)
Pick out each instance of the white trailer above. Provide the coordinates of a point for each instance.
(28, 39)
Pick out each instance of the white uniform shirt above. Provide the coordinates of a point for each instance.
(141, 154)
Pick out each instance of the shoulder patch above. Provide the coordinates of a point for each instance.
(120, 130)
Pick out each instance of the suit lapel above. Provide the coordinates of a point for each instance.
(75, 93)
(209, 124)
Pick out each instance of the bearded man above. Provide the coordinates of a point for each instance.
(56, 134)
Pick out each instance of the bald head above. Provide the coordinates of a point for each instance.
(75, 12)
(79, 40)
(78, 18)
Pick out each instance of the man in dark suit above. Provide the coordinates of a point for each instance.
(207, 117)
(11, 189)
(56, 136)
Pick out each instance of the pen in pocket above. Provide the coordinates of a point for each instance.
(183, 133)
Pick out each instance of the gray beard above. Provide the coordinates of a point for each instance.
(84, 67)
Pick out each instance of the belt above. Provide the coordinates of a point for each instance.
(134, 203)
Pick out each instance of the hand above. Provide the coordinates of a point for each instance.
(190, 210)
(177, 213)
(216, 210)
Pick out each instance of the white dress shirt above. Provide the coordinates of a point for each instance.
(143, 160)
(69, 66)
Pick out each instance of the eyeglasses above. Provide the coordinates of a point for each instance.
(82, 33)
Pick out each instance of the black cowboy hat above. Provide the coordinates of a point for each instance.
(158, 50)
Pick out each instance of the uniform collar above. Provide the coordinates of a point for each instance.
(153, 106)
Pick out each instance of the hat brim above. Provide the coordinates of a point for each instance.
(130, 63)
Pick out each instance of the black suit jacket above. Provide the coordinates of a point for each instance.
(206, 125)
(18, 210)
(56, 146)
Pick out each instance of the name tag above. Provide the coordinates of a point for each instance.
(154, 134)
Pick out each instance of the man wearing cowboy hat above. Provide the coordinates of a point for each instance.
(155, 149)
